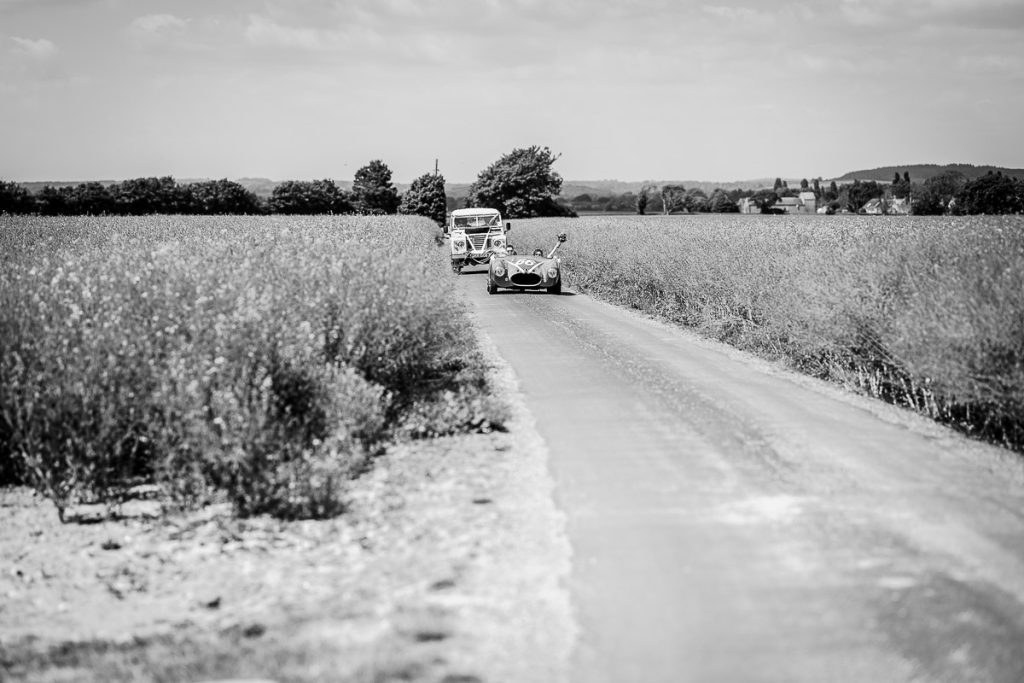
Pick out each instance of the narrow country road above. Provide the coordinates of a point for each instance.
(732, 522)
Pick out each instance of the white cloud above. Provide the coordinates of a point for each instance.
(265, 32)
(40, 48)
(731, 13)
(157, 23)
(910, 14)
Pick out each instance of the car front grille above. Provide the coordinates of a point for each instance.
(526, 279)
(477, 242)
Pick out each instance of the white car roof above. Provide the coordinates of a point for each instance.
(474, 212)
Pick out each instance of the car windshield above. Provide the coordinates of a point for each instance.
(489, 220)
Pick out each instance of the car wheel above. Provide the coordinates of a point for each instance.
(492, 287)
(457, 268)
(556, 288)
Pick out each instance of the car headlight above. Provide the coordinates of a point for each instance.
(460, 245)
(552, 272)
(498, 243)
(499, 269)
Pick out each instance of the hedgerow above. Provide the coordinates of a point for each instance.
(259, 359)
(924, 312)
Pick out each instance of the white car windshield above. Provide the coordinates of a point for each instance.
(482, 221)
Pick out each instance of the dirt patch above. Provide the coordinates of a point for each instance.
(446, 567)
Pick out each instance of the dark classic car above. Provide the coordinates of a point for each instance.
(537, 271)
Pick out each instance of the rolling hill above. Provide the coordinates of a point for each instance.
(922, 172)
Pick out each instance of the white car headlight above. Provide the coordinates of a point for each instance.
(499, 269)
(552, 272)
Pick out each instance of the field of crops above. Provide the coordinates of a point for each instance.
(927, 312)
(261, 360)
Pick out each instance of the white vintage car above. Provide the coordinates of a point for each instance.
(476, 234)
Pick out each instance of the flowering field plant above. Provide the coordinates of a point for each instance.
(259, 359)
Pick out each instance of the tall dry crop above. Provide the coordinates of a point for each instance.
(261, 358)
(927, 312)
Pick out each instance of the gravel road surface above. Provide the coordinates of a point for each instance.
(732, 521)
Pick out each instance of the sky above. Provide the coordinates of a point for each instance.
(621, 89)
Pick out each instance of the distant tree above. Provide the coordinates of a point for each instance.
(521, 184)
(621, 203)
(426, 197)
(764, 200)
(992, 193)
(309, 197)
(696, 200)
(93, 199)
(373, 191)
(584, 198)
(778, 184)
(55, 201)
(896, 178)
(937, 193)
(721, 202)
(832, 193)
(817, 188)
(141, 196)
(223, 197)
(804, 184)
(860, 193)
(673, 198)
(15, 199)
(642, 199)
(906, 177)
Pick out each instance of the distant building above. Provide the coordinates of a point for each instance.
(747, 206)
(892, 207)
(805, 202)
(808, 202)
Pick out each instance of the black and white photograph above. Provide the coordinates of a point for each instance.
(511, 341)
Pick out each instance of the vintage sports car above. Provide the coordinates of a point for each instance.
(474, 235)
(537, 271)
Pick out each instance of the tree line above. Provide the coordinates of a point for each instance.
(372, 192)
(521, 184)
(947, 193)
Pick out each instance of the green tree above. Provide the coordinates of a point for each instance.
(373, 191)
(141, 196)
(93, 199)
(426, 197)
(778, 184)
(643, 198)
(309, 197)
(696, 200)
(56, 201)
(992, 193)
(804, 184)
(721, 202)
(860, 193)
(15, 199)
(221, 197)
(764, 200)
(937, 193)
(832, 194)
(521, 184)
(673, 198)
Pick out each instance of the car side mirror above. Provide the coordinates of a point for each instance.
(508, 227)
(561, 237)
